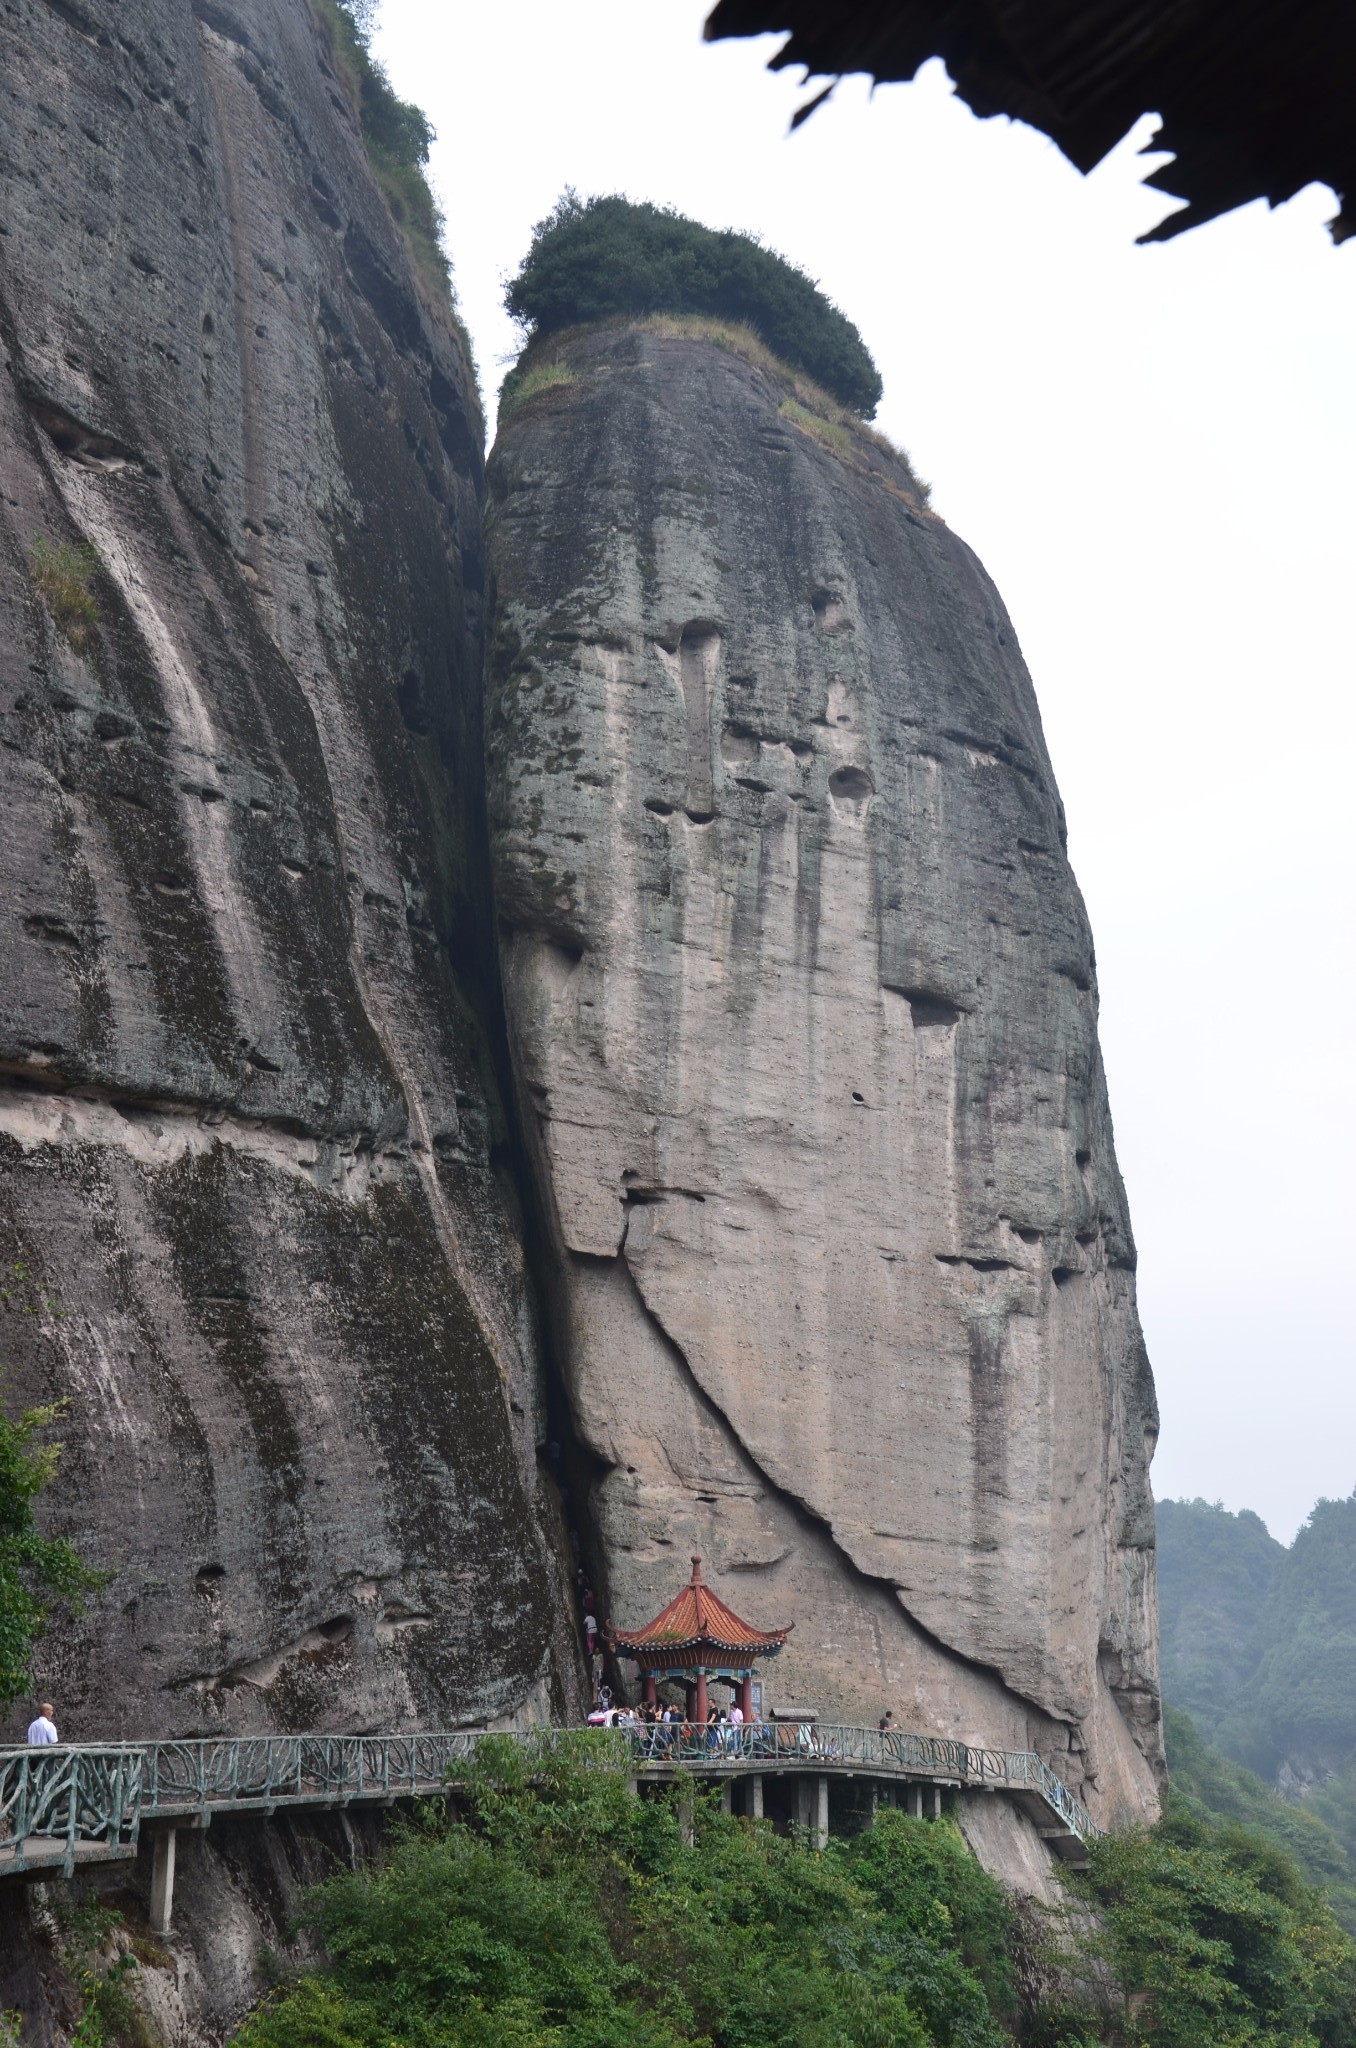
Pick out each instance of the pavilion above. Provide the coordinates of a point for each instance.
(696, 1638)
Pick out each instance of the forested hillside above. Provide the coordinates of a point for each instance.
(1259, 1647)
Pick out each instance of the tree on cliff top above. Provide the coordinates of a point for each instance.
(593, 259)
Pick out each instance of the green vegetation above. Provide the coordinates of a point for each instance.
(558, 1911)
(828, 433)
(595, 259)
(63, 574)
(35, 1570)
(1214, 1572)
(1214, 1786)
(1259, 1643)
(397, 137)
(98, 1958)
(530, 381)
(1213, 1940)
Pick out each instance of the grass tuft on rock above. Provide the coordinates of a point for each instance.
(522, 385)
(64, 574)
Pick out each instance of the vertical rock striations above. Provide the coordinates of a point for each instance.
(802, 1004)
(248, 1127)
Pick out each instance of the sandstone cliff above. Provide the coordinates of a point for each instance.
(249, 1135)
(803, 1010)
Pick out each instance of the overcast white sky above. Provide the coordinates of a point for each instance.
(1154, 452)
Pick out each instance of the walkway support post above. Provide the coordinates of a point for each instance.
(756, 1796)
(915, 1799)
(162, 1879)
(726, 1797)
(822, 1814)
(686, 1814)
(936, 1802)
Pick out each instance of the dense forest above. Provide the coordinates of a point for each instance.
(1259, 1648)
(553, 1909)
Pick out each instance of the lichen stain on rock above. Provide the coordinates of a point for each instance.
(834, 976)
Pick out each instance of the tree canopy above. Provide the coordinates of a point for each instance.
(594, 259)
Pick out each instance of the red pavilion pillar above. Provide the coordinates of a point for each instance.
(651, 1690)
(746, 1695)
(699, 1706)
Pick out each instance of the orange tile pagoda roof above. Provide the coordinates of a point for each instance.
(696, 1617)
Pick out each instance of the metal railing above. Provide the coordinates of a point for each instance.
(808, 1744)
(259, 1772)
(70, 1803)
(63, 1803)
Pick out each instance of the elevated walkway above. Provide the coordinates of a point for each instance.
(72, 1806)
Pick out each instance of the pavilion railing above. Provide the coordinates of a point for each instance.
(59, 1801)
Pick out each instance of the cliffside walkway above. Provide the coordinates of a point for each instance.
(74, 1805)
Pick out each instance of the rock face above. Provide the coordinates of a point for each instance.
(250, 1144)
(803, 1012)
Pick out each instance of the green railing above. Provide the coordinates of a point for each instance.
(76, 1803)
(62, 1805)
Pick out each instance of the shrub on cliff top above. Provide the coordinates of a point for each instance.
(396, 135)
(594, 259)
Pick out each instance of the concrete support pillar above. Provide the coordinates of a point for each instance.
(726, 1797)
(914, 1801)
(822, 1813)
(685, 1814)
(633, 1786)
(803, 1804)
(756, 1796)
(936, 1802)
(875, 1801)
(162, 1880)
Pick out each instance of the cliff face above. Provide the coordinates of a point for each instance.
(802, 1002)
(249, 1139)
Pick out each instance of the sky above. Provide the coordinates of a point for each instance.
(1153, 452)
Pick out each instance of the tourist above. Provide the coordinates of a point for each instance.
(43, 1730)
(591, 1632)
(887, 1722)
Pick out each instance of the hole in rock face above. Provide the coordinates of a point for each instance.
(1062, 1275)
(851, 788)
(1082, 1160)
(857, 1096)
(208, 1578)
(830, 612)
(931, 1012)
(337, 1629)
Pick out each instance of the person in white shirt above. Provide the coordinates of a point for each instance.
(43, 1730)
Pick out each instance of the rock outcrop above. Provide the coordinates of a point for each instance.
(252, 1158)
(802, 1005)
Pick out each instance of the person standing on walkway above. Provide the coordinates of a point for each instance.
(43, 1730)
